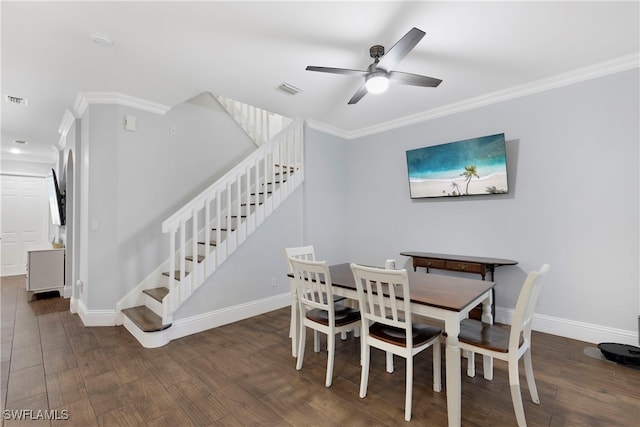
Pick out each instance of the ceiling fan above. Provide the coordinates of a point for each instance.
(380, 73)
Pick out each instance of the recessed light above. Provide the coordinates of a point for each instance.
(15, 151)
(102, 40)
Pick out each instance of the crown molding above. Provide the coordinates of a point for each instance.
(84, 99)
(594, 71)
(68, 119)
(331, 130)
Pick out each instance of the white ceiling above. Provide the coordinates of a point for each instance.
(167, 52)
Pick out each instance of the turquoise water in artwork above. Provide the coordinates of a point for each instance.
(447, 161)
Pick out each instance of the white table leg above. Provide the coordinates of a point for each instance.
(454, 382)
(487, 317)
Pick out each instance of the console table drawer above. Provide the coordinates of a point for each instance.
(429, 263)
(467, 267)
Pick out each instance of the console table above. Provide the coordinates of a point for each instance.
(465, 264)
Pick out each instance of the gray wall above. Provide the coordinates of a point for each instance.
(135, 180)
(574, 195)
(314, 214)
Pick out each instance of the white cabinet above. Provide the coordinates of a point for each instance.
(45, 270)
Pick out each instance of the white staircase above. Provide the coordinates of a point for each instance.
(207, 230)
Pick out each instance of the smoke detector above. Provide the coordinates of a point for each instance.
(16, 100)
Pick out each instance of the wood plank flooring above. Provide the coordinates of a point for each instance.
(243, 374)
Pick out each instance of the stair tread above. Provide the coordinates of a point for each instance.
(190, 258)
(145, 319)
(176, 274)
(211, 243)
(157, 293)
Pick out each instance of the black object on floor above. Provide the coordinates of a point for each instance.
(621, 353)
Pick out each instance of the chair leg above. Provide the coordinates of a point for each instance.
(437, 374)
(316, 341)
(471, 364)
(301, 341)
(343, 335)
(516, 396)
(331, 344)
(531, 382)
(293, 329)
(409, 389)
(487, 367)
(364, 376)
(389, 362)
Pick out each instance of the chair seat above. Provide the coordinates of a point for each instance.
(421, 333)
(344, 315)
(484, 335)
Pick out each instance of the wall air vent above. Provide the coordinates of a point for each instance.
(290, 89)
(16, 100)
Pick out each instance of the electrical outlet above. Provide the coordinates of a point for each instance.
(274, 282)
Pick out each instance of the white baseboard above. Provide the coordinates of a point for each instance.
(581, 331)
(191, 325)
(572, 329)
(96, 317)
(202, 322)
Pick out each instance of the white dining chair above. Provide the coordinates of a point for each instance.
(306, 253)
(507, 344)
(385, 306)
(318, 310)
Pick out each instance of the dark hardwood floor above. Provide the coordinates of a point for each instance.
(243, 374)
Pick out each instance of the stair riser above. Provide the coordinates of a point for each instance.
(153, 304)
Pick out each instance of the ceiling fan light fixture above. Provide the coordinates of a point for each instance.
(377, 82)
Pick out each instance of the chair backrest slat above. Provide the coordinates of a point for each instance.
(301, 252)
(384, 297)
(313, 284)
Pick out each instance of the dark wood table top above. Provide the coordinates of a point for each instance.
(463, 258)
(447, 292)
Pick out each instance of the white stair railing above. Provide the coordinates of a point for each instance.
(210, 227)
(261, 125)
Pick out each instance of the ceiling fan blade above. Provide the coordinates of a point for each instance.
(413, 79)
(400, 49)
(359, 94)
(346, 71)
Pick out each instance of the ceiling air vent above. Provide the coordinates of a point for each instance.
(16, 100)
(19, 141)
(290, 89)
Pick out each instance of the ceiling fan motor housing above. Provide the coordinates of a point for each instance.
(376, 51)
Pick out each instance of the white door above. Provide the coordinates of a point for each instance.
(25, 221)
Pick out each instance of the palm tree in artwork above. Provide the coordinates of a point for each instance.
(469, 172)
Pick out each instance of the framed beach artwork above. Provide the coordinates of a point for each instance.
(462, 168)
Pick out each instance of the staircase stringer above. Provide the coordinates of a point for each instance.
(215, 223)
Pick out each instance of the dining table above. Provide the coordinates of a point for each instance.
(443, 297)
